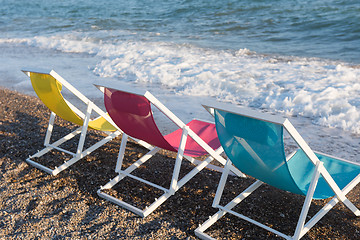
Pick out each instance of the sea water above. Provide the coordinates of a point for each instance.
(296, 58)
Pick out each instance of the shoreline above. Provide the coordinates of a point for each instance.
(35, 205)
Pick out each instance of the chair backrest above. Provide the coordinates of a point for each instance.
(256, 148)
(132, 113)
(48, 89)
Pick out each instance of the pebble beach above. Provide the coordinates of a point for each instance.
(36, 205)
(297, 59)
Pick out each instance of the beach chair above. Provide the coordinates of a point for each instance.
(48, 86)
(253, 142)
(132, 112)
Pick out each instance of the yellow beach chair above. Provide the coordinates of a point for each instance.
(48, 86)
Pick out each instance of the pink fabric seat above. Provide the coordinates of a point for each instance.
(132, 113)
(205, 130)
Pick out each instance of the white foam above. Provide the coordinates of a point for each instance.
(327, 92)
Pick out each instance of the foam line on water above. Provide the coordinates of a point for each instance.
(325, 91)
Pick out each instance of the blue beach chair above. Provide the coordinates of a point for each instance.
(254, 143)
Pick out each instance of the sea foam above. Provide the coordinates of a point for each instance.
(325, 91)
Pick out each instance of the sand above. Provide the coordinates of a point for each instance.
(35, 205)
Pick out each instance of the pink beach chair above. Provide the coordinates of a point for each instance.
(132, 113)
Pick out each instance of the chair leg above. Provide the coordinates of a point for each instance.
(339, 194)
(330, 205)
(175, 176)
(85, 152)
(174, 185)
(167, 192)
(179, 184)
(305, 209)
(84, 130)
(50, 128)
(127, 173)
(121, 154)
(301, 228)
(80, 153)
(222, 182)
(200, 231)
(50, 147)
(299, 232)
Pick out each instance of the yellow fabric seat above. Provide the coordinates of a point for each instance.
(49, 89)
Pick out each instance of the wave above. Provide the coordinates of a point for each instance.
(325, 91)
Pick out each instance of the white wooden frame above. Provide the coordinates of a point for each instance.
(82, 130)
(302, 228)
(176, 183)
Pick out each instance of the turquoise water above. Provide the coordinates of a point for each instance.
(309, 28)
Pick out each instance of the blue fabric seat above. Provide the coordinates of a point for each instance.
(302, 170)
(257, 149)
